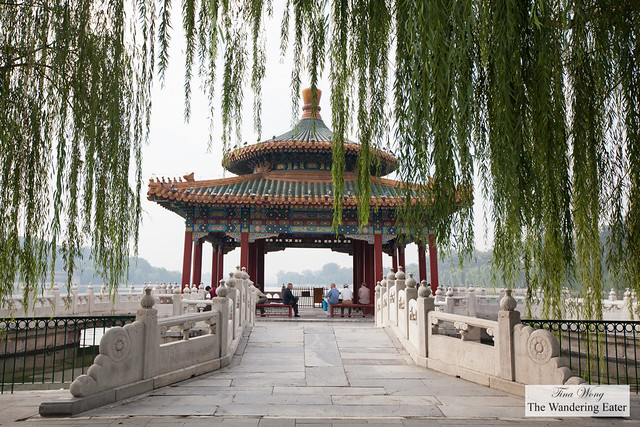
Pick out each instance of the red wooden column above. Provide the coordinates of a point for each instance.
(214, 265)
(244, 249)
(220, 265)
(377, 239)
(186, 259)
(371, 267)
(401, 261)
(368, 264)
(251, 269)
(422, 263)
(355, 263)
(197, 262)
(394, 259)
(433, 263)
(259, 280)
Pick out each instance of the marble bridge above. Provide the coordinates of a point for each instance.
(398, 370)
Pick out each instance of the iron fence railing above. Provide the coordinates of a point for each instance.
(306, 295)
(50, 350)
(603, 352)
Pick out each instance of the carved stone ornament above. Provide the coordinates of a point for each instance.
(413, 314)
(400, 274)
(435, 323)
(231, 282)
(424, 290)
(391, 275)
(508, 303)
(401, 302)
(542, 346)
(411, 282)
(222, 291)
(116, 344)
(147, 300)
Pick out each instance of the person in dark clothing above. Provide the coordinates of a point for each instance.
(289, 299)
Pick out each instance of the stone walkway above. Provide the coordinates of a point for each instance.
(309, 374)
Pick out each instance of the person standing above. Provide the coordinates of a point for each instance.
(289, 299)
(364, 295)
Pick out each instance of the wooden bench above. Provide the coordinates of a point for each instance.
(353, 310)
(274, 310)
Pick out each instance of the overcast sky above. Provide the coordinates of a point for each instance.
(177, 148)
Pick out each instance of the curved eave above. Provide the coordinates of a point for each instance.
(237, 159)
(264, 189)
(276, 189)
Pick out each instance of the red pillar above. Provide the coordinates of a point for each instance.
(220, 266)
(394, 260)
(370, 273)
(259, 280)
(355, 270)
(251, 269)
(197, 262)
(214, 265)
(186, 260)
(401, 261)
(377, 238)
(433, 263)
(422, 263)
(244, 249)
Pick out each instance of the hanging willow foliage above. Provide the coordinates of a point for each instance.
(540, 99)
(74, 101)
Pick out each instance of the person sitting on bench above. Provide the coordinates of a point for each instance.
(262, 299)
(333, 297)
(347, 295)
(289, 299)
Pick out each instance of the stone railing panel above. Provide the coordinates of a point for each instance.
(498, 353)
(133, 360)
(462, 352)
(120, 361)
(537, 357)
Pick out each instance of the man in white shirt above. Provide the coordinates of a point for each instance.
(347, 295)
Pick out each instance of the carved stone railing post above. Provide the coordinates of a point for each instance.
(389, 295)
(377, 305)
(221, 304)
(177, 302)
(400, 279)
(74, 299)
(242, 296)
(425, 305)
(233, 296)
(149, 316)
(472, 302)
(508, 318)
(449, 301)
(90, 298)
(384, 302)
(411, 293)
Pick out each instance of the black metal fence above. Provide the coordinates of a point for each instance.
(306, 295)
(603, 352)
(50, 350)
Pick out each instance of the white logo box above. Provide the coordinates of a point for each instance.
(585, 400)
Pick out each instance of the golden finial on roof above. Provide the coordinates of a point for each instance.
(307, 99)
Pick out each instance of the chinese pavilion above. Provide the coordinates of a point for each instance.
(282, 198)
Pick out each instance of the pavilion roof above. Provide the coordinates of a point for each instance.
(273, 188)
